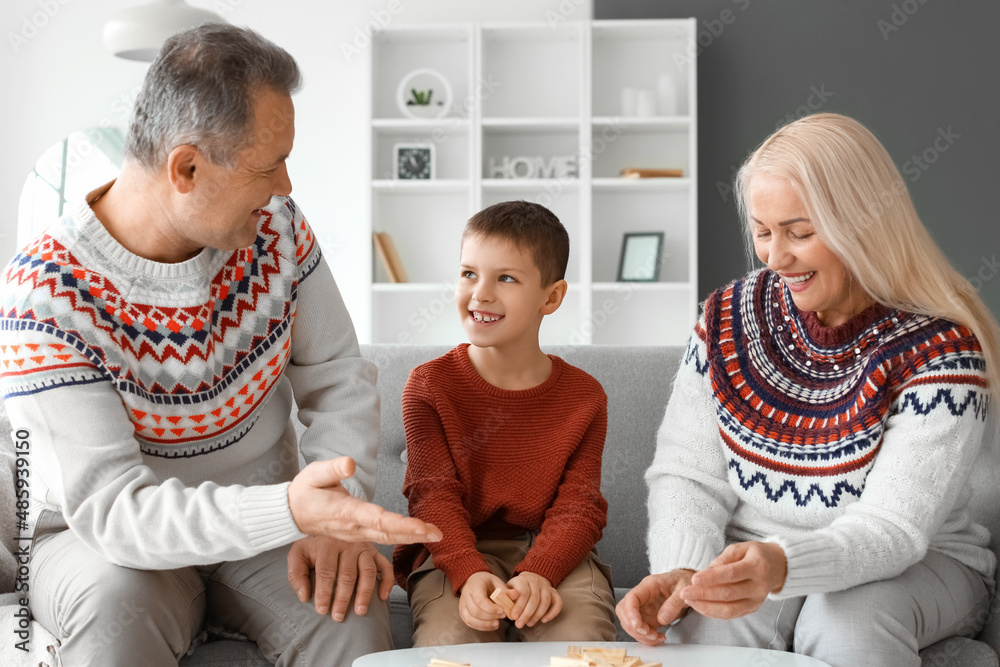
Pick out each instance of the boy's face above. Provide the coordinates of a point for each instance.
(500, 296)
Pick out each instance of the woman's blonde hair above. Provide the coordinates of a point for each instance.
(861, 208)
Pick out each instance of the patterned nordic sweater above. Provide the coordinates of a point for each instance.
(850, 447)
(158, 395)
(472, 446)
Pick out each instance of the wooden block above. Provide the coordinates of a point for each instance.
(556, 661)
(573, 652)
(500, 597)
(634, 661)
(651, 173)
(652, 664)
(615, 653)
(438, 662)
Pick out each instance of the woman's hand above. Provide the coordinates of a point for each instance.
(535, 599)
(475, 607)
(738, 581)
(654, 603)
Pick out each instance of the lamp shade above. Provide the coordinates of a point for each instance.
(137, 33)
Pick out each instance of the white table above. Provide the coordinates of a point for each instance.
(537, 654)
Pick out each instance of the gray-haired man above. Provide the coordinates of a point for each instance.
(152, 344)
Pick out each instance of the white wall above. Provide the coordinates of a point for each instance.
(58, 78)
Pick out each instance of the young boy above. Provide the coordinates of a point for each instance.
(504, 448)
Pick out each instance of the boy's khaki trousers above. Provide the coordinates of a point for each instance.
(588, 602)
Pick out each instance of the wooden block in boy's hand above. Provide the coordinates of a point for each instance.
(500, 597)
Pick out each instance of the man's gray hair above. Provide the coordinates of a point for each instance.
(200, 91)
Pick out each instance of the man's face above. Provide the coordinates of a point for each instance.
(226, 208)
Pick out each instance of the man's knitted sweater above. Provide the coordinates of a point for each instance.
(485, 462)
(157, 396)
(850, 447)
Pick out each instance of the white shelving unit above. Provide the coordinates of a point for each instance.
(548, 91)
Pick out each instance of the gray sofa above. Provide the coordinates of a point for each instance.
(637, 381)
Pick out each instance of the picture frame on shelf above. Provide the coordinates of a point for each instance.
(640, 258)
(414, 161)
(424, 93)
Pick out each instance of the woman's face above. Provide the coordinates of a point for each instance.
(785, 239)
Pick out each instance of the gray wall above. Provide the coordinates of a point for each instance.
(913, 71)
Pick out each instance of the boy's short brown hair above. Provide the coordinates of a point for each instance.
(530, 227)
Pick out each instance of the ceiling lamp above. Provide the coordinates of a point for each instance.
(137, 33)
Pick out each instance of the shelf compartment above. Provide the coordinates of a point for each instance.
(399, 51)
(532, 70)
(628, 314)
(616, 147)
(423, 317)
(426, 228)
(616, 213)
(564, 203)
(533, 142)
(451, 150)
(634, 54)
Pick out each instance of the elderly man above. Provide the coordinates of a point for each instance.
(152, 344)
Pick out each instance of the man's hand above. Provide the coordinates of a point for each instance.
(534, 599)
(321, 506)
(654, 603)
(341, 565)
(475, 607)
(738, 581)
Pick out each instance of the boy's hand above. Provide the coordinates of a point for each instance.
(534, 599)
(475, 607)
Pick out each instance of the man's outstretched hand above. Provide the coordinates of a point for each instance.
(321, 506)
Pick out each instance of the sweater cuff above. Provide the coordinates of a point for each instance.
(806, 555)
(458, 568)
(267, 517)
(680, 552)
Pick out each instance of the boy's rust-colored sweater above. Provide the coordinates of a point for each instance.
(485, 462)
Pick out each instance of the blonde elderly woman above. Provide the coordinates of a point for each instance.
(809, 490)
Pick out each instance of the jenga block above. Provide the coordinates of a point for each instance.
(500, 597)
(613, 653)
(573, 652)
(556, 661)
(652, 664)
(633, 661)
(438, 662)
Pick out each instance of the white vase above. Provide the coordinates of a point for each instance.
(668, 95)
